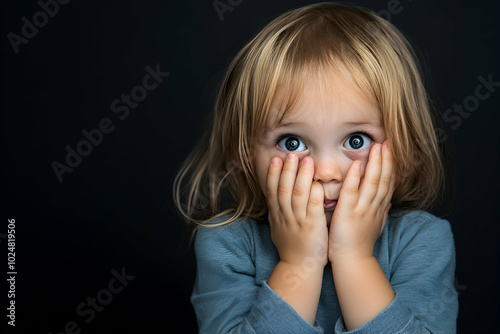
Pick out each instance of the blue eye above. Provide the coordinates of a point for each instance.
(291, 144)
(357, 141)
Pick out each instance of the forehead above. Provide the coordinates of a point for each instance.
(332, 94)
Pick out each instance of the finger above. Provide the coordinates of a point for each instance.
(393, 175)
(302, 188)
(273, 178)
(387, 178)
(350, 188)
(315, 207)
(286, 184)
(369, 186)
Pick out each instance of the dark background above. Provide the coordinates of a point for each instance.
(115, 210)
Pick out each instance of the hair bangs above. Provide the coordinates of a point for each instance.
(311, 52)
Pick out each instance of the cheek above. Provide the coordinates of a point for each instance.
(261, 167)
(261, 176)
(361, 156)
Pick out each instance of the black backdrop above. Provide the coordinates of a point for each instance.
(66, 75)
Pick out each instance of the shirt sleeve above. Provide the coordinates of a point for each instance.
(226, 296)
(422, 278)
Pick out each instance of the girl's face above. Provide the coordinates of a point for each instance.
(333, 124)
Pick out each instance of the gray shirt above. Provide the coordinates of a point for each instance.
(416, 252)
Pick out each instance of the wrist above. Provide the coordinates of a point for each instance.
(350, 256)
(363, 290)
(352, 261)
(307, 265)
(299, 286)
(315, 259)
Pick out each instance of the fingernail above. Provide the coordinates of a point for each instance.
(290, 157)
(274, 161)
(306, 161)
(378, 148)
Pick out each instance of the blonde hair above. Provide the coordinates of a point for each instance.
(218, 179)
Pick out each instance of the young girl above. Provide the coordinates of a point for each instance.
(307, 193)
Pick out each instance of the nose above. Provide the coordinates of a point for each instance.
(327, 169)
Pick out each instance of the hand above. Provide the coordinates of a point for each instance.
(296, 213)
(360, 215)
